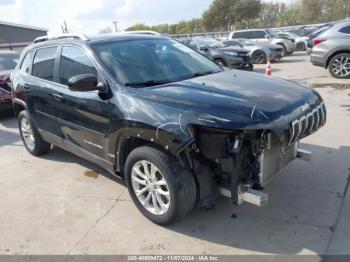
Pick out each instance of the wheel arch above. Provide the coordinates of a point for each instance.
(126, 144)
(329, 58)
(18, 106)
(220, 58)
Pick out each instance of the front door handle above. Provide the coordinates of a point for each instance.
(26, 86)
(58, 98)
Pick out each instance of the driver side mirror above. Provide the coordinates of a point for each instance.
(267, 37)
(83, 83)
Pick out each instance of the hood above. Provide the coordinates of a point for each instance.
(235, 99)
(232, 49)
(271, 46)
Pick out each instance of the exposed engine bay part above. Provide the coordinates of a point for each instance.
(255, 197)
(239, 162)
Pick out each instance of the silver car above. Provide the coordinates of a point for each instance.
(300, 41)
(258, 53)
(265, 36)
(331, 50)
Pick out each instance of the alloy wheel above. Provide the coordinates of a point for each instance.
(258, 57)
(27, 133)
(150, 187)
(341, 66)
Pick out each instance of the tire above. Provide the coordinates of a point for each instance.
(30, 136)
(179, 185)
(285, 51)
(220, 62)
(301, 46)
(339, 66)
(259, 57)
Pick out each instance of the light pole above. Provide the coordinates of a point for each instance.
(115, 25)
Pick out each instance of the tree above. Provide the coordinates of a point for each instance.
(311, 11)
(270, 14)
(223, 13)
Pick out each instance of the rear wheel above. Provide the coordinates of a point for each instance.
(30, 136)
(301, 46)
(259, 57)
(162, 190)
(339, 66)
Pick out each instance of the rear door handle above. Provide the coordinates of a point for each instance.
(58, 98)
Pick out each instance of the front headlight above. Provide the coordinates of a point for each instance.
(231, 53)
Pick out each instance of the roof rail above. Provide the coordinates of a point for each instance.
(55, 37)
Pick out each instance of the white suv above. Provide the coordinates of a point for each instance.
(265, 36)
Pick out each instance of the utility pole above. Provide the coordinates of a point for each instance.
(115, 25)
(64, 27)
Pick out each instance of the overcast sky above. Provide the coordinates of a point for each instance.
(89, 16)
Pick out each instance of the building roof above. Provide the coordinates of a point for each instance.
(23, 26)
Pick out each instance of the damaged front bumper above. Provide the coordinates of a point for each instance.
(240, 163)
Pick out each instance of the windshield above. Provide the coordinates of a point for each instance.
(247, 42)
(8, 61)
(153, 61)
(272, 33)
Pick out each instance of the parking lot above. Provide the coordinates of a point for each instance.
(61, 204)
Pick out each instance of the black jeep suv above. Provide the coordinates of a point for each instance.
(163, 117)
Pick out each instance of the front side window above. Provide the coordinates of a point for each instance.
(44, 62)
(27, 62)
(74, 62)
(149, 62)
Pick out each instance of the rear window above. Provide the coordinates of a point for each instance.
(44, 61)
(345, 30)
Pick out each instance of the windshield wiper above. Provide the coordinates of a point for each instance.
(204, 73)
(146, 83)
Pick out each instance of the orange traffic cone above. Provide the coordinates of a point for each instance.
(268, 71)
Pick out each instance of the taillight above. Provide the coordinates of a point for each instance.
(318, 41)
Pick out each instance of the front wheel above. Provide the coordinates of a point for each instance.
(30, 136)
(220, 62)
(162, 190)
(259, 57)
(339, 66)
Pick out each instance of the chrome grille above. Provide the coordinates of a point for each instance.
(308, 124)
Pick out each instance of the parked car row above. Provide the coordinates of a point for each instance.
(266, 36)
(221, 54)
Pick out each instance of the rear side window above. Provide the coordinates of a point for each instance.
(74, 62)
(239, 35)
(345, 30)
(27, 62)
(258, 34)
(44, 61)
